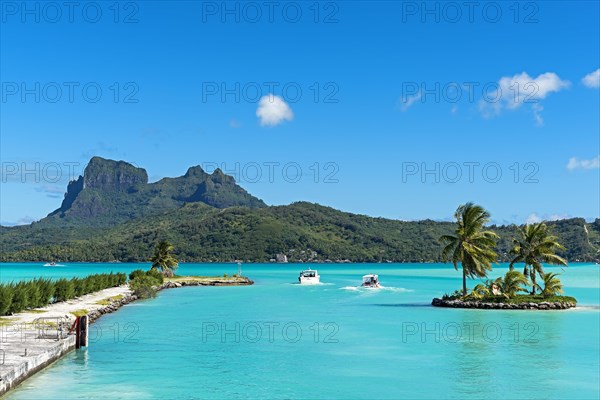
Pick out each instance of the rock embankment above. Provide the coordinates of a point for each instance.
(112, 307)
(554, 305)
(207, 282)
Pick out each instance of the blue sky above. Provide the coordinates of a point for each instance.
(369, 94)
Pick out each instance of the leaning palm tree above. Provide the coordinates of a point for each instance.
(552, 285)
(533, 247)
(163, 259)
(513, 282)
(471, 245)
(480, 291)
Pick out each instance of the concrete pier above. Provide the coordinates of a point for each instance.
(23, 357)
(30, 341)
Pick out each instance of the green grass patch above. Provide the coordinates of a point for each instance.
(230, 278)
(80, 313)
(107, 301)
(36, 311)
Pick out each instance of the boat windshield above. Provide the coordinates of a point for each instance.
(308, 274)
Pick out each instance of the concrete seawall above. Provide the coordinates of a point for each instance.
(18, 367)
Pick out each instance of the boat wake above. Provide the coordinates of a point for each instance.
(312, 284)
(381, 288)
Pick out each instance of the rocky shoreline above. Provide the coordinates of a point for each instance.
(242, 281)
(116, 304)
(112, 307)
(555, 305)
(126, 299)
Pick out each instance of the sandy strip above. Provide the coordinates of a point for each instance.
(64, 309)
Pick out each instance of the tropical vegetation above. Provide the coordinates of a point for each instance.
(473, 247)
(25, 295)
(534, 246)
(163, 258)
(144, 284)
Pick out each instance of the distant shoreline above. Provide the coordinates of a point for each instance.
(267, 262)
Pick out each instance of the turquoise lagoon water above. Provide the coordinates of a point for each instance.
(276, 339)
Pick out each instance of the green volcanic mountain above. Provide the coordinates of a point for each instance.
(111, 192)
(112, 213)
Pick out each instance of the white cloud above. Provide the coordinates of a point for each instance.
(558, 217)
(537, 114)
(273, 110)
(576, 163)
(409, 101)
(512, 92)
(592, 80)
(534, 218)
(21, 221)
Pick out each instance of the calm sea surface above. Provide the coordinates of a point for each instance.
(277, 339)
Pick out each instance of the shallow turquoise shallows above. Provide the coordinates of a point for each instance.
(280, 340)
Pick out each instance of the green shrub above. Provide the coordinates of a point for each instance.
(20, 297)
(136, 273)
(64, 290)
(156, 275)
(34, 294)
(121, 278)
(46, 291)
(79, 287)
(6, 296)
(143, 286)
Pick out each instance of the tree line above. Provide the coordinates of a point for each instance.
(39, 292)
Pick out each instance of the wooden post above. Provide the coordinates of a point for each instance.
(84, 322)
(77, 333)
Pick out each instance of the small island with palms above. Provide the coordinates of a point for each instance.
(473, 247)
(161, 275)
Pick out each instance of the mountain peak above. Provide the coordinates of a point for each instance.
(112, 191)
(105, 174)
(196, 171)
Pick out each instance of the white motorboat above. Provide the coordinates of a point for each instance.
(370, 281)
(309, 277)
(50, 264)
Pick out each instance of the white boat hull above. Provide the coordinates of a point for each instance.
(371, 286)
(305, 280)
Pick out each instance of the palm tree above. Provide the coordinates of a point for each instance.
(513, 282)
(163, 259)
(534, 246)
(470, 245)
(552, 285)
(480, 291)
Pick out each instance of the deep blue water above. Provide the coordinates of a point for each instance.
(278, 340)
